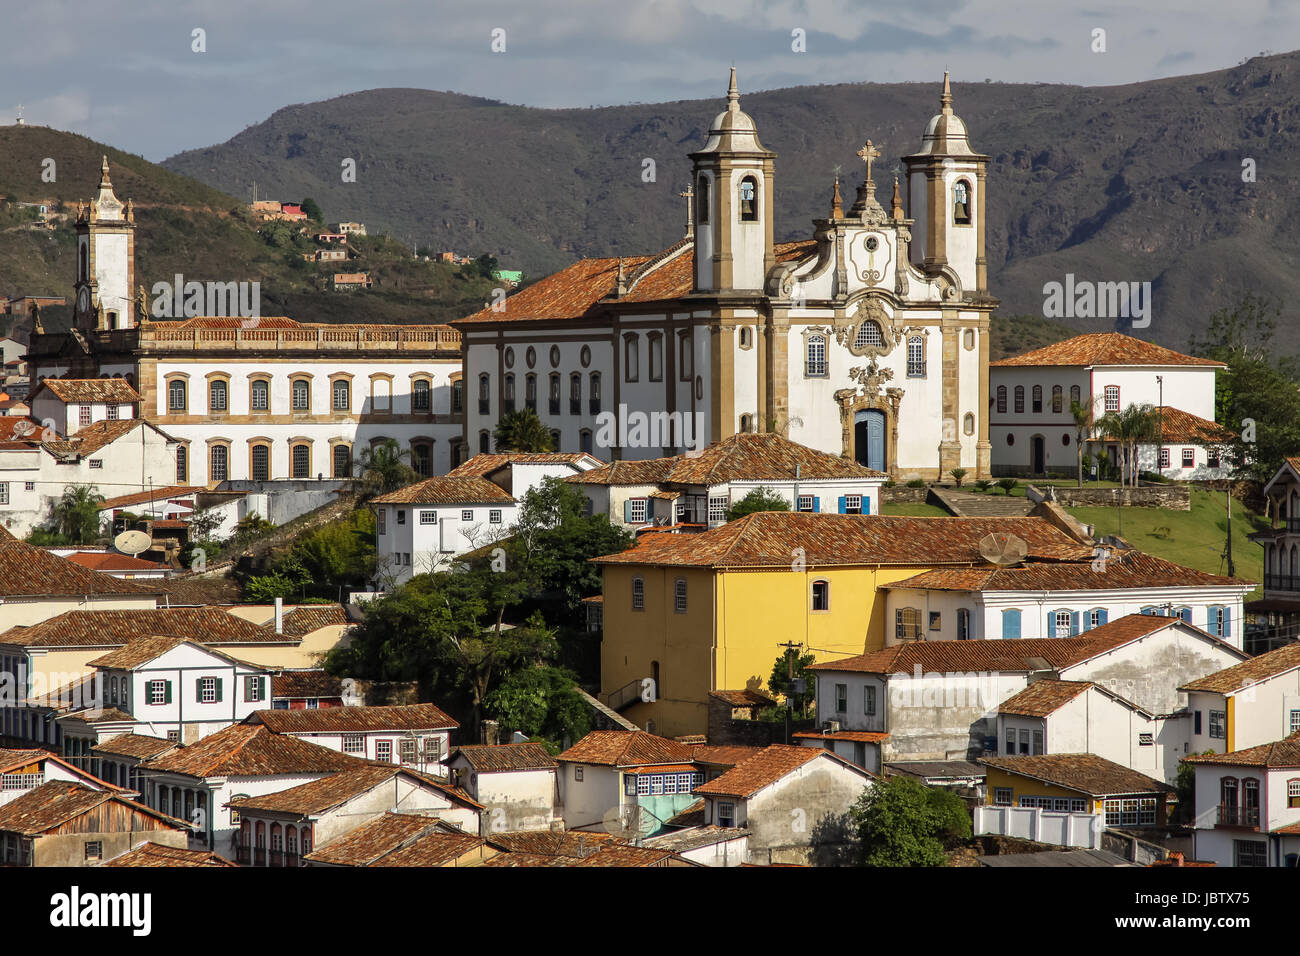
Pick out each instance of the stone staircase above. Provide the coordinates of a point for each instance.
(970, 504)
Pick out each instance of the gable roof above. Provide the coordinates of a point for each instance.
(26, 570)
(140, 746)
(626, 748)
(329, 792)
(1103, 348)
(251, 750)
(306, 618)
(768, 538)
(1180, 427)
(87, 391)
(1279, 753)
(306, 683)
(97, 435)
(1085, 773)
(142, 650)
(157, 494)
(108, 561)
(1043, 697)
(1239, 676)
(499, 758)
(12, 761)
(375, 838)
(208, 625)
(432, 849)
(484, 464)
(575, 843)
(447, 490)
(155, 854)
(354, 719)
(56, 802)
(764, 769)
(745, 456)
(1122, 569)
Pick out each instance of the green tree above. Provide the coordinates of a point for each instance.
(312, 210)
(788, 668)
(1130, 427)
(76, 513)
(541, 702)
(1082, 413)
(339, 554)
(902, 822)
(381, 469)
(521, 431)
(1007, 484)
(760, 499)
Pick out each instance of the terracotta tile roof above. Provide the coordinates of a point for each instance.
(723, 755)
(692, 816)
(21, 757)
(1014, 655)
(107, 561)
(623, 855)
(1103, 348)
(1123, 569)
(336, 789)
(155, 854)
(1279, 753)
(683, 841)
(88, 391)
(853, 736)
(375, 838)
(432, 849)
(251, 750)
(97, 435)
(527, 859)
(355, 719)
(744, 698)
(446, 490)
(484, 464)
(574, 843)
(1085, 773)
(54, 803)
(584, 287)
(761, 770)
(625, 748)
(1232, 679)
(26, 570)
(141, 650)
(747, 456)
(139, 746)
(373, 331)
(307, 683)
(210, 625)
(1180, 427)
(505, 757)
(1043, 697)
(768, 538)
(306, 618)
(662, 768)
(157, 494)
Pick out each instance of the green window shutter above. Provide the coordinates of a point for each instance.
(167, 692)
(219, 682)
(198, 689)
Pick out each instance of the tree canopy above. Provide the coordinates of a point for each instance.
(521, 431)
(902, 822)
(760, 499)
(76, 514)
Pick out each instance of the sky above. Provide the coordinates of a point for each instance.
(131, 73)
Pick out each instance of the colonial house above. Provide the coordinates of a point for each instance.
(24, 770)
(149, 854)
(938, 700)
(516, 783)
(36, 586)
(706, 845)
(1033, 432)
(278, 829)
(688, 614)
(197, 781)
(118, 565)
(118, 759)
(307, 688)
(67, 405)
(416, 735)
(404, 839)
(1248, 704)
(169, 502)
(316, 629)
(700, 487)
(621, 780)
(793, 801)
(868, 340)
(1277, 614)
(1248, 805)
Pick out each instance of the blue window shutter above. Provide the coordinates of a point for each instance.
(817, 504)
(1074, 623)
(1087, 621)
(627, 510)
(1186, 614)
(1051, 625)
(1227, 622)
(1212, 620)
(843, 505)
(866, 505)
(1010, 624)
(1102, 613)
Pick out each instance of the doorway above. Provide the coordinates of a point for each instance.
(1038, 454)
(869, 438)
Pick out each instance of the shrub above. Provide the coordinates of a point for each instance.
(958, 474)
(983, 484)
(916, 483)
(1006, 484)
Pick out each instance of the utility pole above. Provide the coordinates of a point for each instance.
(790, 647)
(1160, 451)
(1227, 550)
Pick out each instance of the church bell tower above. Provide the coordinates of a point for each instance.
(105, 261)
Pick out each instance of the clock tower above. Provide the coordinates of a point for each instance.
(105, 261)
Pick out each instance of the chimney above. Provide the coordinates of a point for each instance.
(279, 615)
(1177, 858)
(488, 732)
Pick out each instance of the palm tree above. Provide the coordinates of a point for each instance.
(1083, 425)
(380, 469)
(76, 514)
(1130, 427)
(521, 431)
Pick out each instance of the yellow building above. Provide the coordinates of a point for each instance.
(686, 614)
(1078, 783)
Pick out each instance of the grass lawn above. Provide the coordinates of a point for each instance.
(1194, 538)
(1019, 490)
(913, 509)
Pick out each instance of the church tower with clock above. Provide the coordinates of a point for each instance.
(105, 261)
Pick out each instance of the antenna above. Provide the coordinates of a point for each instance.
(1003, 549)
(132, 542)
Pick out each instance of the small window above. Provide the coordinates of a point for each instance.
(1074, 394)
(1164, 458)
(749, 199)
(577, 774)
(1058, 399)
(702, 202)
(111, 412)
(259, 395)
(218, 396)
(254, 689)
(636, 510)
(484, 442)
(746, 337)
(869, 700)
(679, 596)
(1189, 457)
(821, 596)
(963, 624)
(968, 424)
(384, 751)
(96, 463)
(961, 203)
(631, 358)
(219, 463)
(1002, 796)
(1218, 724)
(401, 515)
(1036, 401)
(815, 366)
(457, 397)
(841, 698)
(94, 850)
(907, 624)
(467, 515)
(1020, 399)
(916, 357)
(1111, 395)
(746, 423)
(176, 396)
(261, 462)
(718, 509)
(494, 516)
(638, 594)
(301, 459)
(807, 503)
(1002, 400)
(1146, 740)
(342, 461)
(342, 393)
(869, 335)
(853, 504)
(301, 395)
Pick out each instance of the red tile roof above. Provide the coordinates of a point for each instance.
(1102, 348)
(306, 618)
(722, 755)
(1123, 569)
(355, 719)
(1084, 773)
(1239, 676)
(157, 494)
(762, 770)
(55, 803)
(329, 792)
(95, 436)
(251, 750)
(26, 570)
(853, 736)
(155, 854)
(626, 748)
(506, 757)
(306, 683)
(87, 391)
(375, 838)
(574, 843)
(432, 849)
(1279, 753)
(1043, 697)
(140, 746)
(210, 625)
(484, 464)
(1180, 427)
(107, 561)
(446, 490)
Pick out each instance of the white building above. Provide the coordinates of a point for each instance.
(609, 776)
(701, 486)
(1248, 704)
(861, 340)
(516, 783)
(1248, 805)
(412, 735)
(1033, 432)
(1277, 615)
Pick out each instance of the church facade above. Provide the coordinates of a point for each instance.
(868, 340)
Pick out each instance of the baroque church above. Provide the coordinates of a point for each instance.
(869, 340)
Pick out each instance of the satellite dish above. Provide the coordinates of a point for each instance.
(630, 821)
(1003, 549)
(132, 542)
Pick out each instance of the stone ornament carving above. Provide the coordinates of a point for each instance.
(871, 255)
(868, 310)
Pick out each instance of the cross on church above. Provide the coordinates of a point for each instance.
(20, 114)
(688, 195)
(868, 153)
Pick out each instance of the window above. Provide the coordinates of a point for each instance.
(158, 692)
(261, 462)
(111, 412)
(726, 813)
(301, 460)
(702, 202)
(259, 395)
(575, 394)
(254, 689)
(1036, 399)
(1218, 724)
(869, 336)
(1011, 624)
(684, 357)
(1038, 741)
(961, 203)
(1024, 740)
(841, 698)
(1061, 623)
(176, 395)
(83, 414)
(815, 365)
(1074, 394)
(577, 774)
(907, 624)
(401, 515)
(1295, 721)
(807, 503)
(457, 397)
(342, 394)
(553, 394)
(916, 357)
(749, 199)
(218, 396)
(1111, 397)
(466, 515)
(852, 504)
(821, 596)
(638, 594)
(1189, 457)
(1164, 458)
(384, 751)
(94, 850)
(636, 510)
(963, 624)
(208, 690)
(1020, 399)
(1293, 794)
(679, 596)
(407, 750)
(1058, 399)
(4, 492)
(869, 700)
(484, 394)
(631, 358)
(968, 424)
(1218, 621)
(1146, 740)
(219, 463)
(432, 749)
(428, 517)
(1249, 853)
(484, 442)
(31, 485)
(422, 458)
(1212, 459)
(1130, 812)
(718, 509)
(746, 423)
(1002, 400)
(342, 461)
(1002, 796)
(936, 620)
(96, 463)
(656, 359)
(494, 516)
(1095, 618)
(301, 395)
(595, 393)
(421, 395)
(530, 391)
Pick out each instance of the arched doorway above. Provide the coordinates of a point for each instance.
(869, 438)
(1038, 454)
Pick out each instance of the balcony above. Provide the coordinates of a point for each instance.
(554, 406)
(243, 854)
(1281, 582)
(484, 406)
(1234, 816)
(594, 406)
(575, 406)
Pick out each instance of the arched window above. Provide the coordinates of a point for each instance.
(1011, 623)
(484, 393)
(631, 358)
(553, 394)
(291, 844)
(595, 393)
(420, 395)
(575, 393)
(342, 461)
(1036, 401)
(176, 395)
(584, 441)
(300, 460)
(530, 391)
(1002, 399)
(749, 199)
(259, 395)
(638, 594)
(968, 339)
(112, 690)
(457, 397)
(746, 337)
(1061, 623)
(869, 335)
(306, 839)
(218, 396)
(508, 402)
(484, 442)
(1228, 802)
(182, 464)
(916, 357)
(968, 424)
(821, 595)
(555, 439)
(219, 463)
(1020, 399)
(1058, 399)
(702, 202)
(963, 624)
(343, 395)
(422, 458)
(1074, 394)
(301, 395)
(746, 423)
(261, 463)
(1094, 618)
(961, 203)
(815, 365)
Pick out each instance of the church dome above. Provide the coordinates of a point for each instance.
(945, 134)
(733, 130)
